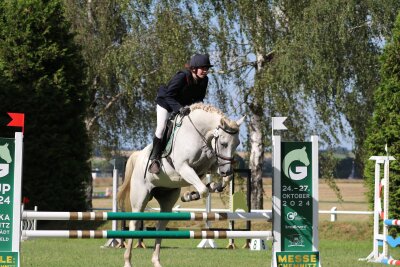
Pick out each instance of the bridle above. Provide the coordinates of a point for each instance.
(218, 155)
(215, 150)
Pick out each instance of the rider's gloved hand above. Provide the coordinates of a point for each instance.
(173, 115)
(184, 111)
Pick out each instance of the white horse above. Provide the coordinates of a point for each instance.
(206, 140)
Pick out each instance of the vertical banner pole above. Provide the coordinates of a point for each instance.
(17, 194)
(315, 185)
(276, 196)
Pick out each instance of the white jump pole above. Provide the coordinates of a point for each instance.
(375, 255)
(207, 243)
(114, 242)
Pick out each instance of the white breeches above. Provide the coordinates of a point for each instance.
(162, 117)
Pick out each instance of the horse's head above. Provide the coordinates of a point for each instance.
(226, 140)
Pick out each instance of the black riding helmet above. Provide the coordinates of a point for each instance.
(199, 60)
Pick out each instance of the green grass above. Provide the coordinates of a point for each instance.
(72, 252)
(68, 252)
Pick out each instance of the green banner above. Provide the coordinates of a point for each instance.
(300, 258)
(9, 259)
(296, 196)
(7, 156)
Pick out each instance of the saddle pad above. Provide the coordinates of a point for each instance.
(168, 148)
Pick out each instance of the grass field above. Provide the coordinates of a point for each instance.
(342, 242)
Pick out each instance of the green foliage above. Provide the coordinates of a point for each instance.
(42, 75)
(131, 48)
(385, 125)
(312, 61)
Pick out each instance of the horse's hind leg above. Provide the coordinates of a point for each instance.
(128, 247)
(167, 200)
(138, 202)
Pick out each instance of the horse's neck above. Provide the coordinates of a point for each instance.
(206, 122)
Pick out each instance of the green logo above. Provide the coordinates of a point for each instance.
(291, 158)
(6, 156)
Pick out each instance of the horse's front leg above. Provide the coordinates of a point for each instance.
(190, 176)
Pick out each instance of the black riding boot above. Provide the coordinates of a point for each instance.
(155, 156)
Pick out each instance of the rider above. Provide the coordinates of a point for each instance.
(185, 88)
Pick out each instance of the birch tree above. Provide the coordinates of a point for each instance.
(313, 61)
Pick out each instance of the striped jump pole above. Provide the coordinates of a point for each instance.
(391, 262)
(145, 234)
(181, 216)
(392, 222)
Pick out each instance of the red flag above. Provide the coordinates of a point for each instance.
(17, 120)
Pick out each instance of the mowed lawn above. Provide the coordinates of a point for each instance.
(342, 242)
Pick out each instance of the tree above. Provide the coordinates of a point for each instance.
(131, 48)
(42, 75)
(316, 75)
(384, 127)
(279, 65)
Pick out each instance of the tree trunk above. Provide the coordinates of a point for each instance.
(89, 184)
(257, 155)
(255, 130)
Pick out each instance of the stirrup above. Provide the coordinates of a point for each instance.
(155, 166)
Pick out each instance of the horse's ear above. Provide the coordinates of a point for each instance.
(223, 123)
(240, 121)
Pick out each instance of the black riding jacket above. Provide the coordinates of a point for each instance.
(182, 90)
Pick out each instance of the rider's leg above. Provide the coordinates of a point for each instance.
(155, 156)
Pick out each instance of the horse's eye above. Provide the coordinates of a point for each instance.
(224, 145)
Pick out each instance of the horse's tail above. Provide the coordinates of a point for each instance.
(123, 196)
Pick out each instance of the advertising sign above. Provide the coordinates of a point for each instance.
(10, 199)
(296, 196)
(295, 203)
(6, 193)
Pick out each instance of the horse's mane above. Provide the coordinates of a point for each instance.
(207, 108)
(228, 124)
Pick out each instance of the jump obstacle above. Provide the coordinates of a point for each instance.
(145, 234)
(289, 242)
(382, 239)
(181, 216)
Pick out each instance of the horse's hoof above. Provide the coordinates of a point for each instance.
(215, 187)
(156, 263)
(190, 196)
